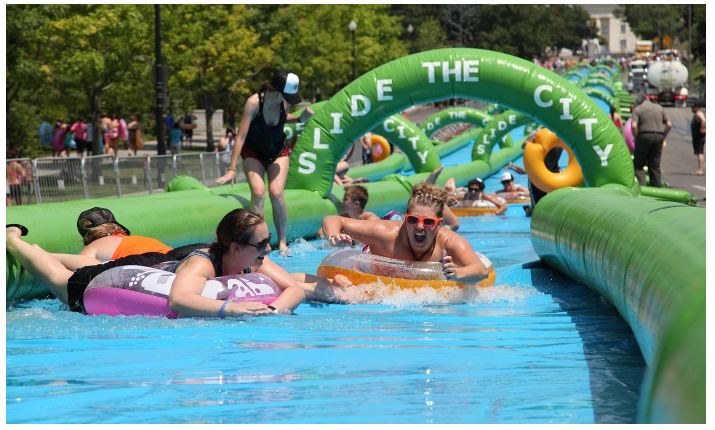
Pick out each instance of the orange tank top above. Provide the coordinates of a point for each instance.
(132, 245)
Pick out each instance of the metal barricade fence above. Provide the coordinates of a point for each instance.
(60, 179)
(101, 176)
(133, 177)
(189, 165)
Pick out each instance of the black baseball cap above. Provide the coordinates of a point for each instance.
(287, 84)
(94, 218)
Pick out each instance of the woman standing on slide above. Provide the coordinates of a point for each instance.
(262, 144)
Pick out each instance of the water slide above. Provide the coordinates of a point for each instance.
(645, 256)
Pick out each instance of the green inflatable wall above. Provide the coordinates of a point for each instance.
(646, 257)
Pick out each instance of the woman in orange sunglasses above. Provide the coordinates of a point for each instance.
(418, 238)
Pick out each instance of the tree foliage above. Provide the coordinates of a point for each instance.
(67, 61)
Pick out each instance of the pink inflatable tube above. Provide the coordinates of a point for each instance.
(138, 290)
(628, 134)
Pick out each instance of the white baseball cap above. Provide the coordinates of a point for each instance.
(287, 84)
(506, 176)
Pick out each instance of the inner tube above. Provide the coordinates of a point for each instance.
(380, 147)
(628, 135)
(139, 290)
(535, 154)
(475, 211)
(514, 197)
(363, 268)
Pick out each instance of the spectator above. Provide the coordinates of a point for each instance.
(14, 175)
(262, 144)
(650, 126)
(69, 142)
(111, 136)
(175, 139)
(225, 146)
(697, 131)
(58, 139)
(134, 140)
(187, 129)
(79, 130)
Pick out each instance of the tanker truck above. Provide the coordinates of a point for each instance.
(668, 77)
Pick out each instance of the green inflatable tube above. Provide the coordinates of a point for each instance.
(668, 194)
(646, 257)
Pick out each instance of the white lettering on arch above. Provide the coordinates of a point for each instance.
(537, 96)
(588, 124)
(354, 105)
(383, 87)
(307, 163)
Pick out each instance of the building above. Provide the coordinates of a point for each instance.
(617, 34)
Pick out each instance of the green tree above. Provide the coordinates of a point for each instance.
(216, 57)
(97, 50)
(430, 35)
(315, 41)
(656, 20)
(26, 85)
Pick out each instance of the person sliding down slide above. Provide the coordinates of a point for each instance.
(242, 243)
(418, 238)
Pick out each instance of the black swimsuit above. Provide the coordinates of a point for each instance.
(265, 142)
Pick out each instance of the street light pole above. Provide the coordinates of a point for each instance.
(158, 83)
(352, 27)
(410, 29)
(690, 46)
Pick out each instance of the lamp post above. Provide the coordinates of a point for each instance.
(352, 27)
(160, 90)
(410, 29)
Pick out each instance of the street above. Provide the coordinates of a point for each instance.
(679, 162)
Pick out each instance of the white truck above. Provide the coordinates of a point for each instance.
(669, 76)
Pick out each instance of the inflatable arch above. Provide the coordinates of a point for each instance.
(573, 76)
(599, 82)
(293, 129)
(398, 130)
(467, 73)
(497, 132)
(407, 136)
(603, 68)
(600, 94)
(454, 115)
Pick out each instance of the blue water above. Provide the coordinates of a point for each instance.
(535, 348)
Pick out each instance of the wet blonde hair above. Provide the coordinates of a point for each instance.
(428, 195)
(100, 231)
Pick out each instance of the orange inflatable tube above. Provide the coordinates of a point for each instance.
(363, 268)
(380, 147)
(535, 154)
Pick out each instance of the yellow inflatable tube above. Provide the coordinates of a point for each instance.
(363, 268)
(535, 153)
